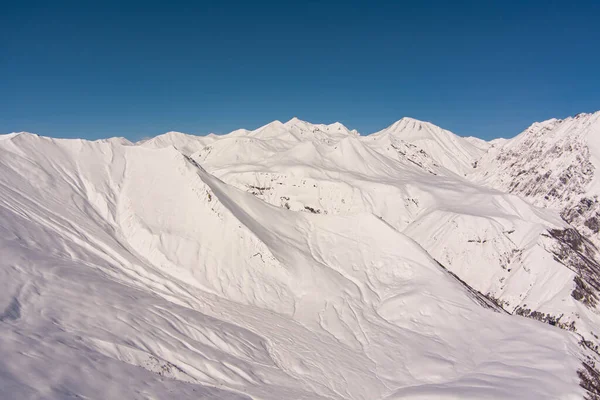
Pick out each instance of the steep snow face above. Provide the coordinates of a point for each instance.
(553, 164)
(427, 145)
(297, 260)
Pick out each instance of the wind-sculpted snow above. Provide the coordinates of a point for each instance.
(295, 261)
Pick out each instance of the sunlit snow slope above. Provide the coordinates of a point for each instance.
(296, 261)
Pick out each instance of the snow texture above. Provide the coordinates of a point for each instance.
(301, 261)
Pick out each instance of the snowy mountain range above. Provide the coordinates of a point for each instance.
(302, 261)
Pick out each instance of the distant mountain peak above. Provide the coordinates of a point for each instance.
(410, 123)
(295, 120)
(553, 122)
(328, 128)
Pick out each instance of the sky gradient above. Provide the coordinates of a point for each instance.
(138, 69)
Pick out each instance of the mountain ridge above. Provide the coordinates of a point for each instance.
(297, 260)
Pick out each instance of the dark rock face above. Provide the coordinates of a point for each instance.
(593, 223)
(586, 214)
(589, 379)
(312, 210)
(581, 256)
(545, 318)
(584, 293)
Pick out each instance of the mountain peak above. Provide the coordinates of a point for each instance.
(410, 129)
(335, 128)
(273, 124)
(407, 123)
(295, 120)
(577, 124)
(446, 149)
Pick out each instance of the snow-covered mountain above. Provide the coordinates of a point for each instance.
(553, 164)
(301, 261)
(428, 146)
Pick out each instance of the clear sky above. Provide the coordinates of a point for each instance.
(139, 68)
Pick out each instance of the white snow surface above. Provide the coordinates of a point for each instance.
(295, 261)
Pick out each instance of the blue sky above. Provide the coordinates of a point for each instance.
(136, 69)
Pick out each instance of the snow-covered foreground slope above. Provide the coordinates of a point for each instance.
(293, 261)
